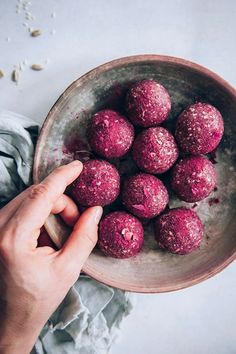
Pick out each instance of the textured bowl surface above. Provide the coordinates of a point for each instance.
(152, 270)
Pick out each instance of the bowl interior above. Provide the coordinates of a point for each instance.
(63, 138)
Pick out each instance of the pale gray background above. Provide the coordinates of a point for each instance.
(198, 320)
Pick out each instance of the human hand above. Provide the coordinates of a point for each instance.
(34, 280)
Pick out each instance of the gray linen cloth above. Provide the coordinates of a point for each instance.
(88, 319)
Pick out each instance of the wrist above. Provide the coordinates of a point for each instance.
(16, 339)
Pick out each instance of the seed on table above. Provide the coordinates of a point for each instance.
(15, 75)
(37, 67)
(35, 33)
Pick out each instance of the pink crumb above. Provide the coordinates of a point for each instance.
(76, 148)
(213, 201)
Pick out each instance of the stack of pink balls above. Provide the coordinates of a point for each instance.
(199, 129)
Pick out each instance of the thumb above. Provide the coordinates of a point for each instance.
(82, 240)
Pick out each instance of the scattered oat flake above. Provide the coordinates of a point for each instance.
(127, 234)
(37, 67)
(36, 33)
(29, 17)
(53, 15)
(15, 75)
(138, 207)
(53, 32)
(1, 73)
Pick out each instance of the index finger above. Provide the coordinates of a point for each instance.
(39, 202)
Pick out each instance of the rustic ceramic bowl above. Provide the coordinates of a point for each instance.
(152, 270)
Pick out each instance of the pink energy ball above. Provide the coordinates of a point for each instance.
(155, 150)
(179, 230)
(110, 134)
(147, 103)
(121, 235)
(193, 178)
(199, 129)
(98, 184)
(144, 195)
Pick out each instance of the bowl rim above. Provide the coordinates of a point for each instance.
(48, 122)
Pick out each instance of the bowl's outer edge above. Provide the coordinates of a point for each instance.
(48, 121)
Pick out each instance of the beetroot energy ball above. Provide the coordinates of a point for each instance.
(110, 134)
(120, 235)
(98, 184)
(199, 128)
(144, 195)
(179, 230)
(147, 103)
(155, 150)
(193, 178)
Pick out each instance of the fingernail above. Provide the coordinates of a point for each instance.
(98, 214)
(76, 163)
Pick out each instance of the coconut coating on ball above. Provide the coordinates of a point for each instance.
(179, 230)
(144, 195)
(155, 150)
(193, 178)
(199, 129)
(98, 184)
(147, 103)
(110, 134)
(120, 235)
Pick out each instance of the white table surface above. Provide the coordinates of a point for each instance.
(197, 320)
